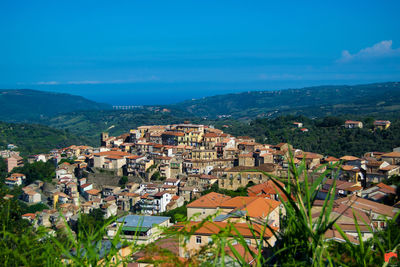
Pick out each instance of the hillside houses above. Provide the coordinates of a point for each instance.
(169, 166)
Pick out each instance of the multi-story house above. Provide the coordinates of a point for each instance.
(353, 124)
(240, 176)
(204, 154)
(126, 201)
(139, 228)
(14, 161)
(202, 235)
(378, 171)
(137, 165)
(173, 138)
(109, 190)
(113, 160)
(381, 124)
(392, 158)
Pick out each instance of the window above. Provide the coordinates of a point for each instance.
(248, 241)
(198, 239)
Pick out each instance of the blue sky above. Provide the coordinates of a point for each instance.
(152, 52)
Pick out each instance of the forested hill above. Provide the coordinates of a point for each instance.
(27, 105)
(368, 99)
(34, 138)
(325, 135)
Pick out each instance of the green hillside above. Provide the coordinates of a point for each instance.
(34, 138)
(92, 123)
(368, 99)
(27, 105)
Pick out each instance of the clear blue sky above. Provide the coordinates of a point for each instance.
(148, 52)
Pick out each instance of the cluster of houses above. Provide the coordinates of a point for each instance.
(169, 165)
(378, 124)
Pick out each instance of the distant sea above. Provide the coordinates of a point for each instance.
(167, 93)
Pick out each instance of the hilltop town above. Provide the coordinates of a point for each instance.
(142, 176)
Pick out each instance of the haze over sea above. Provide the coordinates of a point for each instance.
(168, 93)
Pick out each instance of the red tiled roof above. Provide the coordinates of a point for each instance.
(392, 155)
(211, 228)
(268, 188)
(211, 200)
(387, 188)
(93, 192)
(112, 153)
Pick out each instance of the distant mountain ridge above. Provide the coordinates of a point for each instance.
(26, 105)
(383, 98)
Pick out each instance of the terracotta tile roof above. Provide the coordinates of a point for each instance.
(258, 208)
(389, 167)
(266, 189)
(367, 205)
(349, 158)
(349, 168)
(244, 137)
(163, 158)
(374, 163)
(243, 252)
(388, 189)
(208, 177)
(211, 200)
(247, 143)
(93, 192)
(160, 194)
(353, 188)
(109, 198)
(171, 180)
(29, 215)
(392, 155)
(85, 185)
(17, 175)
(248, 155)
(210, 228)
(335, 235)
(174, 133)
(112, 153)
(236, 202)
(210, 135)
(331, 159)
(351, 122)
(114, 157)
